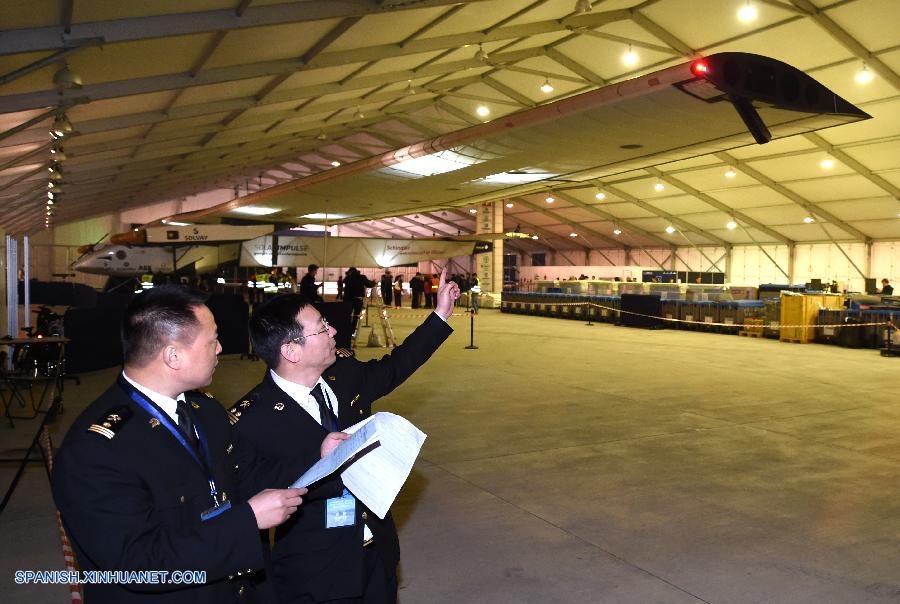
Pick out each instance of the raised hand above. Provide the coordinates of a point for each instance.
(447, 295)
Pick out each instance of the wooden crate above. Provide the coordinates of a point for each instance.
(803, 311)
(753, 328)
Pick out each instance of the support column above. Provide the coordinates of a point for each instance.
(490, 264)
(729, 260)
(792, 253)
(869, 251)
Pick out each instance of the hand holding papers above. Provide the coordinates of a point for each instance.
(375, 461)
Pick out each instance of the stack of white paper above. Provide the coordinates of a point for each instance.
(375, 477)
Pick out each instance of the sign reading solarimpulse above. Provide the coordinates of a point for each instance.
(351, 251)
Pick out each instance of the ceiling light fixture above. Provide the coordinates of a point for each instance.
(827, 163)
(534, 236)
(66, 79)
(747, 13)
(547, 87)
(864, 76)
(483, 110)
(670, 229)
(359, 114)
(481, 55)
(573, 234)
(617, 231)
(809, 220)
(731, 225)
(600, 196)
(730, 173)
(410, 89)
(321, 135)
(583, 6)
(57, 154)
(659, 187)
(509, 205)
(549, 199)
(335, 163)
(473, 211)
(61, 126)
(630, 58)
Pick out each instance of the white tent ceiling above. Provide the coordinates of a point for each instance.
(183, 97)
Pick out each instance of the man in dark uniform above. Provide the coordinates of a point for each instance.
(310, 389)
(355, 293)
(152, 476)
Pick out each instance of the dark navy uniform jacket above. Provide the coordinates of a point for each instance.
(131, 497)
(327, 563)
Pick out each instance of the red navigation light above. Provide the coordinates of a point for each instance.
(699, 68)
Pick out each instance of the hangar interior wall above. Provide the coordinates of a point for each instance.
(750, 265)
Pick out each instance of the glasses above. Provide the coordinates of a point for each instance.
(324, 329)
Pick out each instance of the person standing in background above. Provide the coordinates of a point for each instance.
(426, 289)
(416, 287)
(386, 287)
(308, 285)
(474, 290)
(398, 291)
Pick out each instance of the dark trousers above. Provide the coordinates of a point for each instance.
(416, 299)
(380, 584)
(357, 309)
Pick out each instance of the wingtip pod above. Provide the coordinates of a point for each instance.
(766, 80)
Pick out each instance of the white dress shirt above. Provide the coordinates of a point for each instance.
(301, 394)
(167, 404)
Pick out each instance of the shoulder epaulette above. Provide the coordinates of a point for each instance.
(234, 414)
(344, 353)
(196, 397)
(111, 422)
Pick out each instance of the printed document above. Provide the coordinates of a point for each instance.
(385, 447)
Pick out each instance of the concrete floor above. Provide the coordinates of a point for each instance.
(567, 463)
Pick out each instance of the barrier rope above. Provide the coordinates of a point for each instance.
(711, 323)
(417, 315)
(68, 553)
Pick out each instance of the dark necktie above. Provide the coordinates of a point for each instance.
(185, 423)
(329, 421)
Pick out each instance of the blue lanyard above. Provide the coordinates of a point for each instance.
(166, 421)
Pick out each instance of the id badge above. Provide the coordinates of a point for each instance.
(215, 511)
(340, 511)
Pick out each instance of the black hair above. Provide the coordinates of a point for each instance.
(155, 317)
(275, 323)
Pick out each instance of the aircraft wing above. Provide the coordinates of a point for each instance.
(352, 251)
(723, 101)
(195, 234)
